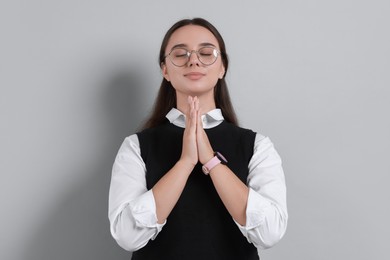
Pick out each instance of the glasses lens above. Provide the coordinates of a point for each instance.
(179, 57)
(207, 55)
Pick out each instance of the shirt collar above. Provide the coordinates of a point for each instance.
(209, 120)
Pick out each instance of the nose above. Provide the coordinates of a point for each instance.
(193, 59)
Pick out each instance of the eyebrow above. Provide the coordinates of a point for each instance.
(182, 45)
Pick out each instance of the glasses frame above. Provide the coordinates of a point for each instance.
(189, 53)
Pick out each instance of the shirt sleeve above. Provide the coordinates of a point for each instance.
(132, 209)
(266, 212)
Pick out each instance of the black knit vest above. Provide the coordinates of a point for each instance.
(199, 227)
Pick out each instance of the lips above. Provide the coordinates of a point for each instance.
(194, 75)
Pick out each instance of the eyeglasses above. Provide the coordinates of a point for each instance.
(206, 55)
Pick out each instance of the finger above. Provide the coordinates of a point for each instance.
(193, 120)
(199, 117)
(188, 111)
(190, 115)
(196, 100)
(196, 109)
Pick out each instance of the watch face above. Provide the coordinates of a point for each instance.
(221, 157)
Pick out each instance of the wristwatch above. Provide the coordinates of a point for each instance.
(217, 159)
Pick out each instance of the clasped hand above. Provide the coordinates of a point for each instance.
(196, 145)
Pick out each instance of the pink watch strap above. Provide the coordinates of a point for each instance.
(206, 168)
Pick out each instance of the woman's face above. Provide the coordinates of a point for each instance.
(194, 78)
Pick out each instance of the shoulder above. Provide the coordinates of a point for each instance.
(166, 125)
(265, 147)
(241, 131)
(260, 141)
(228, 125)
(130, 143)
(156, 130)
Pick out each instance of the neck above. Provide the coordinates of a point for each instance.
(206, 102)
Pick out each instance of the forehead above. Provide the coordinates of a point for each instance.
(192, 36)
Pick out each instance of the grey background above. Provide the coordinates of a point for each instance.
(77, 77)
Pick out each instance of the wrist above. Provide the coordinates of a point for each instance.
(216, 160)
(186, 165)
(215, 169)
(206, 158)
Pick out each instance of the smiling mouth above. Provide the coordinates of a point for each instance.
(194, 75)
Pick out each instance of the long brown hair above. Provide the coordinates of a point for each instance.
(166, 97)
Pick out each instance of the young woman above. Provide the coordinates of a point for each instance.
(192, 184)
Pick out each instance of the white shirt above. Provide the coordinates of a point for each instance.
(132, 208)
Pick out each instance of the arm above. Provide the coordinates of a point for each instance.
(169, 188)
(137, 215)
(258, 208)
(132, 211)
(232, 191)
(266, 210)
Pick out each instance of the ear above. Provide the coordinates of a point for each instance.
(222, 73)
(164, 71)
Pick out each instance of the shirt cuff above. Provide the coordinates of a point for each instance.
(144, 212)
(255, 212)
